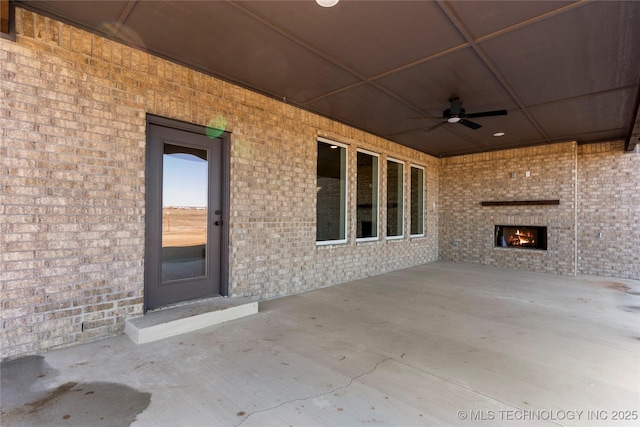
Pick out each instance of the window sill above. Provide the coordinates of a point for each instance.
(330, 243)
(367, 240)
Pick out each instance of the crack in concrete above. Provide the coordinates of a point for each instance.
(302, 399)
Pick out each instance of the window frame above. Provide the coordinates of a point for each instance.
(377, 225)
(402, 205)
(8, 20)
(423, 198)
(344, 202)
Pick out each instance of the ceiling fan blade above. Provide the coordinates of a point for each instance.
(470, 124)
(487, 114)
(424, 117)
(434, 127)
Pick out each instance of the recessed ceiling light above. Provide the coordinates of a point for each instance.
(497, 134)
(327, 3)
(334, 146)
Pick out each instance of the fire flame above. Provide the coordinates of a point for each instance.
(522, 238)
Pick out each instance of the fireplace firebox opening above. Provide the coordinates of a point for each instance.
(521, 237)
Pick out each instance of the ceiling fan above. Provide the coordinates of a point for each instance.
(456, 114)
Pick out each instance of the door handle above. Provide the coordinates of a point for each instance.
(217, 223)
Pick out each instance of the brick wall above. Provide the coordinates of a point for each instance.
(273, 248)
(609, 210)
(73, 149)
(72, 112)
(467, 227)
(595, 229)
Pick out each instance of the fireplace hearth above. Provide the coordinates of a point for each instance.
(520, 237)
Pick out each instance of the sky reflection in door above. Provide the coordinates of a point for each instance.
(184, 212)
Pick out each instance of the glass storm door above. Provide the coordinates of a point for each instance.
(184, 217)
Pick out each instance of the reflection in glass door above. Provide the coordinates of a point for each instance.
(184, 212)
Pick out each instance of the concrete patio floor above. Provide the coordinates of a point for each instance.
(438, 344)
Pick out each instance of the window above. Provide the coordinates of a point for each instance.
(7, 20)
(331, 206)
(395, 199)
(417, 201)
(367, 196)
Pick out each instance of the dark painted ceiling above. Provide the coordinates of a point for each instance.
(564, 70)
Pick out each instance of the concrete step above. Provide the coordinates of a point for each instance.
(168, 322)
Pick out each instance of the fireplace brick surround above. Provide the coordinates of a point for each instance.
(593, 208)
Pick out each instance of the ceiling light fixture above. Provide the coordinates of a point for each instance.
(453, 119)
(327, 3)
(498, 134)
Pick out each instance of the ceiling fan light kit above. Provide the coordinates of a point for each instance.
(456, 114)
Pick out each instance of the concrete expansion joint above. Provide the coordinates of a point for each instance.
(316, 396)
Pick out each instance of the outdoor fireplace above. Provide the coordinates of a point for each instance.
(521, 237)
